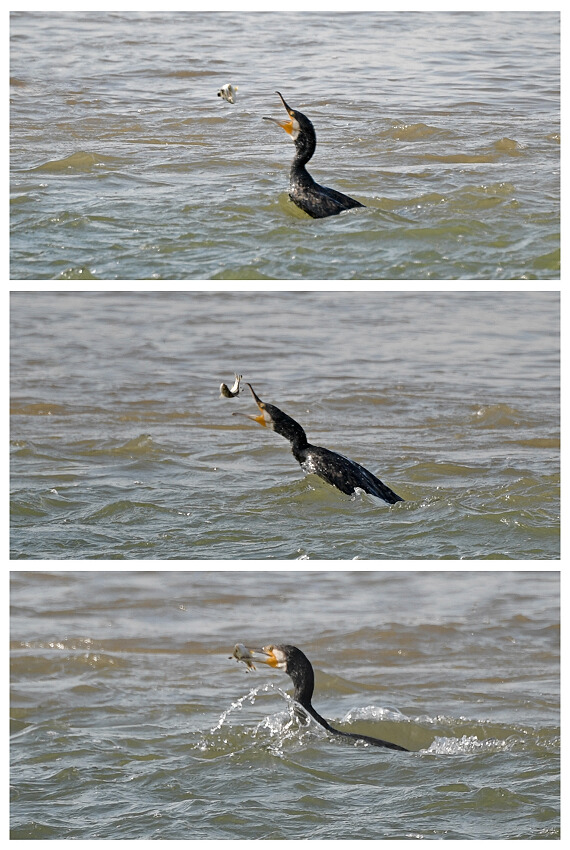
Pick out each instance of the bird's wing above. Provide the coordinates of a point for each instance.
(346, 474)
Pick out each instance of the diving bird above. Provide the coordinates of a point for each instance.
(334, 468)
(317, 201)
(295, 663)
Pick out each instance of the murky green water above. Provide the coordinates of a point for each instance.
(126, 165)
(122, 448)
(129, 721)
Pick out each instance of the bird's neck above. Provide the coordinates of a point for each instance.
(300, 179)
(308, 708)
(304, 149)
(299, 446)
(292, 431)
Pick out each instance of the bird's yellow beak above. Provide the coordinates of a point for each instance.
(260, 656)
(261, 419)
(290, 126)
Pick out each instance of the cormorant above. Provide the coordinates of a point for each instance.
(332, 467)
(317, 201)
(296, 664)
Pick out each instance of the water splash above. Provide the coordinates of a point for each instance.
(468, 744)
(274, 730)
(249, 697)
(372, 712)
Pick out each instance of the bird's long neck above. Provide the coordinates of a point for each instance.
(287, 427)
(304, 690)
(303, 694)
(305, 145)
(320, 720)
(299, 447)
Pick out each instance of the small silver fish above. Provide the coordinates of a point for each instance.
(242, 653)
(225, 392)
(228, 92)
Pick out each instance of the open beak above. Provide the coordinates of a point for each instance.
(255, 656)
(263, 418)
(264, 656)
(289, 126)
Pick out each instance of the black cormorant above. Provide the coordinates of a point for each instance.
(296, 664)
(332, 467)
(317, 201)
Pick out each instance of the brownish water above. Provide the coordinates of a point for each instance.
(126, 165)
(122, 448)
(130, 721)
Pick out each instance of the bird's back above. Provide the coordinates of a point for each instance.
(345, 474)
(320, 201)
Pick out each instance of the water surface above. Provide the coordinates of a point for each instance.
(126, 165)
(130, 721)
(122, 448)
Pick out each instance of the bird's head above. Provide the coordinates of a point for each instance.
(273, 418)
(298, 125)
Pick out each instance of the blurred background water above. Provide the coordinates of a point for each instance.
(126, 165)
(130, 721)
(121, 446)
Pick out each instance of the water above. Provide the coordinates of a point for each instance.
(129, 720)
(122, 448)
(126, 165)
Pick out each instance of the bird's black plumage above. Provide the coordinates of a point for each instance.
(318, 201)
(332, 467)
(296, 664)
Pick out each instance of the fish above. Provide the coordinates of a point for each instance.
(225, 392)
(228, 92)
(242, 653)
